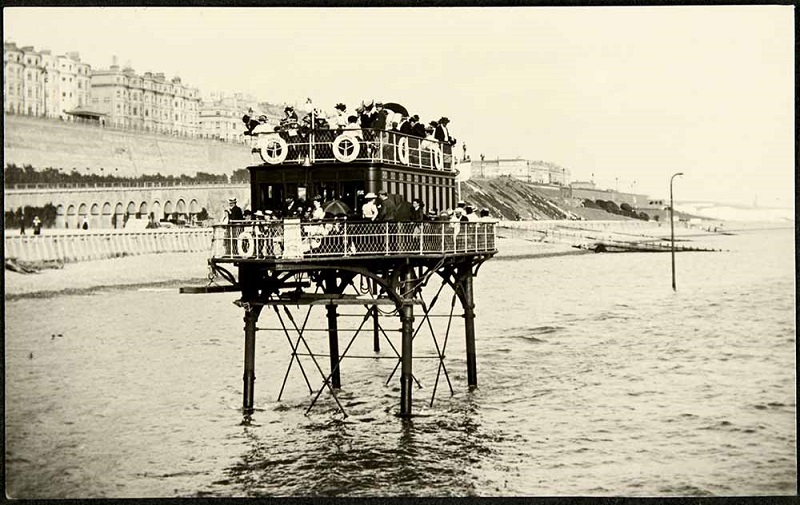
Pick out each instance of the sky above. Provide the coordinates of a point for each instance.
(624, 96)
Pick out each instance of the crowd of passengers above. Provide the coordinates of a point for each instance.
(406, 227)
(372, 116)
(382, 207)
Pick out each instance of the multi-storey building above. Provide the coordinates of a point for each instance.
(13, 72)
(146, 102)
(66, 83)
(44, 84)
(540, 172)
(221, 116)
(23, 77)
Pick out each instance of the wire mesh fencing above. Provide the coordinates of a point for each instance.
(292, 239)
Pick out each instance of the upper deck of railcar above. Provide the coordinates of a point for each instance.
(350, 145)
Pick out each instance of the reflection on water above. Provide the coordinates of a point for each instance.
(594, 379)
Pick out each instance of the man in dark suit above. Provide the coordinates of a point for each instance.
(442, 134)
(378, 117)
(234, 212)
(405, 126)
(418, 130)
(388, 207)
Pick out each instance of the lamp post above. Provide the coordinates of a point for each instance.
(672, 226)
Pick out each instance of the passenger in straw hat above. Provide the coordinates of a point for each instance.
(369, 211)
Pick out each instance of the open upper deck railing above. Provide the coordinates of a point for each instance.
(345, 146)
(293, 240)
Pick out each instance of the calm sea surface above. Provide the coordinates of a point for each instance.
(595, 378)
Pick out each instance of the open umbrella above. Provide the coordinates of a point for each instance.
(396, 107)
(336, 208)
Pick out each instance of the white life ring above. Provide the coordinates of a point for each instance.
(402, 150)
(243, 237)
(438, 157)
(346, 148)
(273, 149)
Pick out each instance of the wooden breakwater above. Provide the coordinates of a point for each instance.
(610, 236)
(87, 245)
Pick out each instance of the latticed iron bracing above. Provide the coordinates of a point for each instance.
(291, 265)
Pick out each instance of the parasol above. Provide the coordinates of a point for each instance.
(396, 107)
(336, 208)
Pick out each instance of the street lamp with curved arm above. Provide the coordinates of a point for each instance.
(672, 226)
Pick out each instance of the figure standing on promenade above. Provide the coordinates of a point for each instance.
(22, 226)
(37, 226)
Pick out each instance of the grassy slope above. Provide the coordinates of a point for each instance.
(511, 199)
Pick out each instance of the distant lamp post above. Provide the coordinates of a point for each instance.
(672, 226)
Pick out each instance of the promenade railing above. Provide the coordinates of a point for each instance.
(295, 240)
(71, 246)
(111, 185)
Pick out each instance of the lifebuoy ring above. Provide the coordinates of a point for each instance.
(438, 157)
(273, 149)
(402, 150)
(346, 148)
(247, 237)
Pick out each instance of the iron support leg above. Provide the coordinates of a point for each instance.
(376, 337)
(469, 329)
(406, 379)
(333, 341)
(249, 378)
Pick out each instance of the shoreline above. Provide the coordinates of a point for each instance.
(191, 268)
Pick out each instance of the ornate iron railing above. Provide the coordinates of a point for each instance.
(294, 240)
(344, 146)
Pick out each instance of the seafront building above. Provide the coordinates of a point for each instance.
(148, 102)
(221, 115)
(540, 172)
(44, 84)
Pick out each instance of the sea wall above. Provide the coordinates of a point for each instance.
(59, 144)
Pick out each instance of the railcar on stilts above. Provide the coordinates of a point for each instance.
(288, 263)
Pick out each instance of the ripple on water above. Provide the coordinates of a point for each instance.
(598, 379)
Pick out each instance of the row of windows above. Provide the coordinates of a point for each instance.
(436, 192)
(150, 86)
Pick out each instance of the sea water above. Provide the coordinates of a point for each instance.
(594, 378)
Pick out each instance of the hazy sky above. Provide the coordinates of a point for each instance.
(630, 95)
